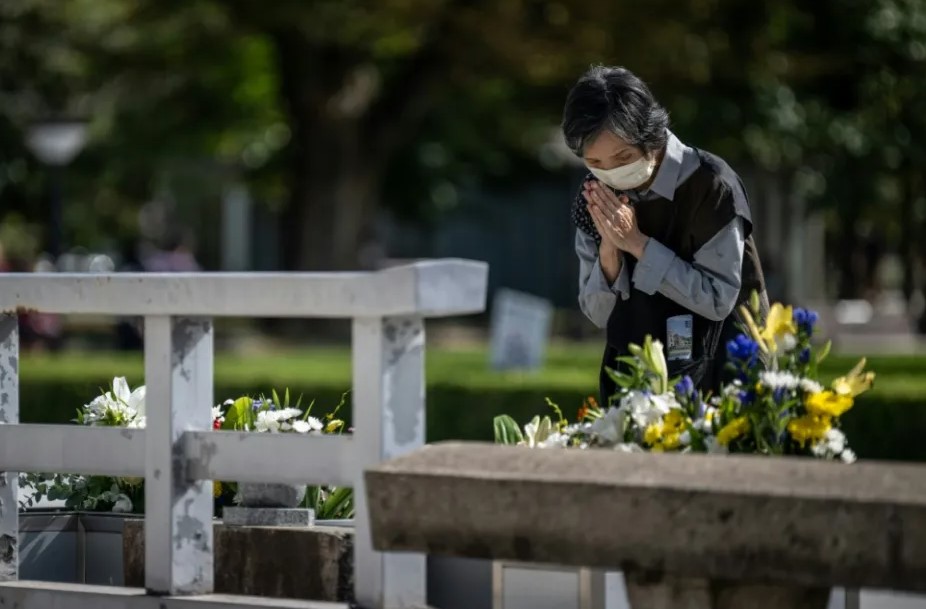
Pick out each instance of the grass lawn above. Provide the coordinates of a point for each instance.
(567, 366)
(463, 394)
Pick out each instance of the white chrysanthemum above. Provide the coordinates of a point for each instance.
(307, 426)
(779, 380)
(833, 445)
(733, 388)
(217, 413)
(685, 438)
(287, 413)
(811, 386)
(137, 423)
(267, 421)
(625, 447)
(835, 440)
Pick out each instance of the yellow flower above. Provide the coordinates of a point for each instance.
(855, 382)
(827, 404)
(779, 325)
(809, 428)
(216, 488)
(653, 434)
(733, 430)
(666, 434)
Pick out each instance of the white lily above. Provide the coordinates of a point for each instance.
(609, 428)
(133, 401)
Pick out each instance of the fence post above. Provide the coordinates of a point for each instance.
(9, 414)
(389, 421)
(178, 513)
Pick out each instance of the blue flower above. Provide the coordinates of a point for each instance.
(256, 405)
(743, 349)
(780, 394)
(805, 320)
(804, 356)
(747, 397)
(685, 387)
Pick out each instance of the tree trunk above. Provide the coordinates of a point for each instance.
(345, 129)
(332, 200)
(333, 177)
(908, 253)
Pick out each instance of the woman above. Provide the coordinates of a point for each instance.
(664, 233)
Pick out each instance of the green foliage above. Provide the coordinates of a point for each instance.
(464, 396)
(507, 430)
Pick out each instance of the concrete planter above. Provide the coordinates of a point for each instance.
(310, 563)
(71, 547)
(660, 591)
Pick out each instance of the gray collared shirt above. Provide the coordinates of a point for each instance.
(709, 286)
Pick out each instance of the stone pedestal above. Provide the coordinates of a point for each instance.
(659, 591)
(263, 495)
(311, 563)
(269, 505)
(268, 517)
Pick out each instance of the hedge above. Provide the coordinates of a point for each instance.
(463, 395)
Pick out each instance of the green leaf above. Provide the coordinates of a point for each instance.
(507, 430)
(338, 505)
(825, 351)
(239, 415)
(276, 399)
(308, 411)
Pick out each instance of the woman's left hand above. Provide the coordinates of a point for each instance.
(617, 217)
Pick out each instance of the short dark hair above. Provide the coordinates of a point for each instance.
(614, 98)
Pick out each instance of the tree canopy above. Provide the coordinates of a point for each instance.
(334, 109)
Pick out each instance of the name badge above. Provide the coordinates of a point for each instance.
(679, 336)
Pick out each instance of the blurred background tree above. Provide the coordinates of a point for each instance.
(331, 111)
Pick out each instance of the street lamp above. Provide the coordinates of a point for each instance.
(55, 143)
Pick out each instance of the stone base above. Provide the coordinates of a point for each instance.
(268, 517)
(311, 563)
(659, 591)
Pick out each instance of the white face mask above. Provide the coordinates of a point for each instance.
(627, 177)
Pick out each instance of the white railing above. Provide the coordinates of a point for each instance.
(179, 454)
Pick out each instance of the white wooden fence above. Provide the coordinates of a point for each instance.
(179, 454)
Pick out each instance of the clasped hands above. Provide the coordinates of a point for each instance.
(614, 218)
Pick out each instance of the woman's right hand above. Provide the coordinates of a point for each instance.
(597, 214)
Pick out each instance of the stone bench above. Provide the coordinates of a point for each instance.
(784, 524)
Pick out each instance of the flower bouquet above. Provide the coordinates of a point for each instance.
(122, 406)
(774, 404)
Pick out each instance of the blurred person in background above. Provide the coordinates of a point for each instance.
(663, 231)
(176, 256)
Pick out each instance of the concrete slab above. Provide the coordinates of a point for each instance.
(786, 520)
